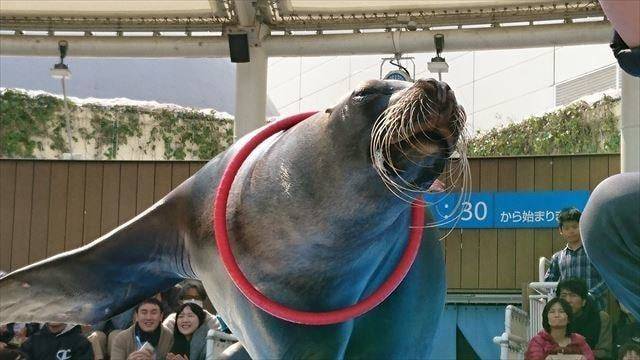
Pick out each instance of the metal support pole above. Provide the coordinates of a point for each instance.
(251, 93)
(630, 124)
(66, 117)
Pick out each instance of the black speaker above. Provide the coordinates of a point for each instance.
(239, 48)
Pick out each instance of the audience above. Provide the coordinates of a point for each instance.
(105, 332)
(627, 330)
(588, 321)
(136, 334)
(630, 351)
(147, 338)
(193, 292)
(12, 335)
(12, 354)
(189, 334)
(572, 261)
(58, 341)
(558, 336)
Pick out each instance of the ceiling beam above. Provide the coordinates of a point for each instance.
(314, 45)
(492, 38)
(122, 46)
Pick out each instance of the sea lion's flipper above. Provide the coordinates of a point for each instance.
(95, 282)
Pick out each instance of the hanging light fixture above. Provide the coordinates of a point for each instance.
(61, 71)
(438, 64)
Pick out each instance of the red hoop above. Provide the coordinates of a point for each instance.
(276, 309)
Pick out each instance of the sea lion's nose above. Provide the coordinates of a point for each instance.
(436, 90)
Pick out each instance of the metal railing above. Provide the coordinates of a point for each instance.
(217, 342)
(513, 342)
(520, 326)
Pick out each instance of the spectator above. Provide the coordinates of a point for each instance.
(557, 336)
(627, 331)
(12, 354)
(189, 334)
(194, 293)
(630, 351)
(14, 335)
(572, 261)
(105, 332)
(147, 329)
(588, 321)
(171, 297)
(58, 341)
(164, 304)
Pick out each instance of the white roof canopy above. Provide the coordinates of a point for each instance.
(283, 15)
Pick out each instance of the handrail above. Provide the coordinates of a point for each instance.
(507, 338)
(543, 262)
(544, 288)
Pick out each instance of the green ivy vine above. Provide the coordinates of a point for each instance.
(579, 128)
(26, 120)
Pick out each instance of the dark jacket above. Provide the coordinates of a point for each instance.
(627, 332)
(196, 348)
(588, 324)
(68, 345)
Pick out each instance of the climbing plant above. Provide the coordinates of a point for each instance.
(25, 120)
(29, 123)
(579, 128)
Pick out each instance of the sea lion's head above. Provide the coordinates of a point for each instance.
(414, 129)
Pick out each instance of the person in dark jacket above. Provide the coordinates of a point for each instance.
(60, 342)
(627, 330)
(588, 321)
(12, 354)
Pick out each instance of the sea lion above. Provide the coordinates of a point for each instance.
(318, 217)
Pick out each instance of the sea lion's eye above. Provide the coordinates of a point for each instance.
(362, 93)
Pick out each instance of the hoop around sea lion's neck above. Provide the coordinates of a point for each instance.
(276, 309)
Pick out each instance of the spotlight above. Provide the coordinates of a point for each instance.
(438, 63)
(63, 45)
(61, 70)
(438, 39)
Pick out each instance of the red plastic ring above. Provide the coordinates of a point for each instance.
(274, 308)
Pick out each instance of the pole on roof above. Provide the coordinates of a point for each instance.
(251, 93)
(251, 77)
(630, 124)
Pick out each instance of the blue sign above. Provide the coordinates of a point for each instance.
(500, 210)
(474, 210)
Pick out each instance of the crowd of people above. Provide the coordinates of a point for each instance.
(172, 325)
(576, 322)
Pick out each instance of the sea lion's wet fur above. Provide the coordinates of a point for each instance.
(312, 225)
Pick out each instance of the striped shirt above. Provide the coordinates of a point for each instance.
(567, 263)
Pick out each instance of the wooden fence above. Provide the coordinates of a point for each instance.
(49, 206)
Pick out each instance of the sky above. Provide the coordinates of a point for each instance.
(495, 87)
